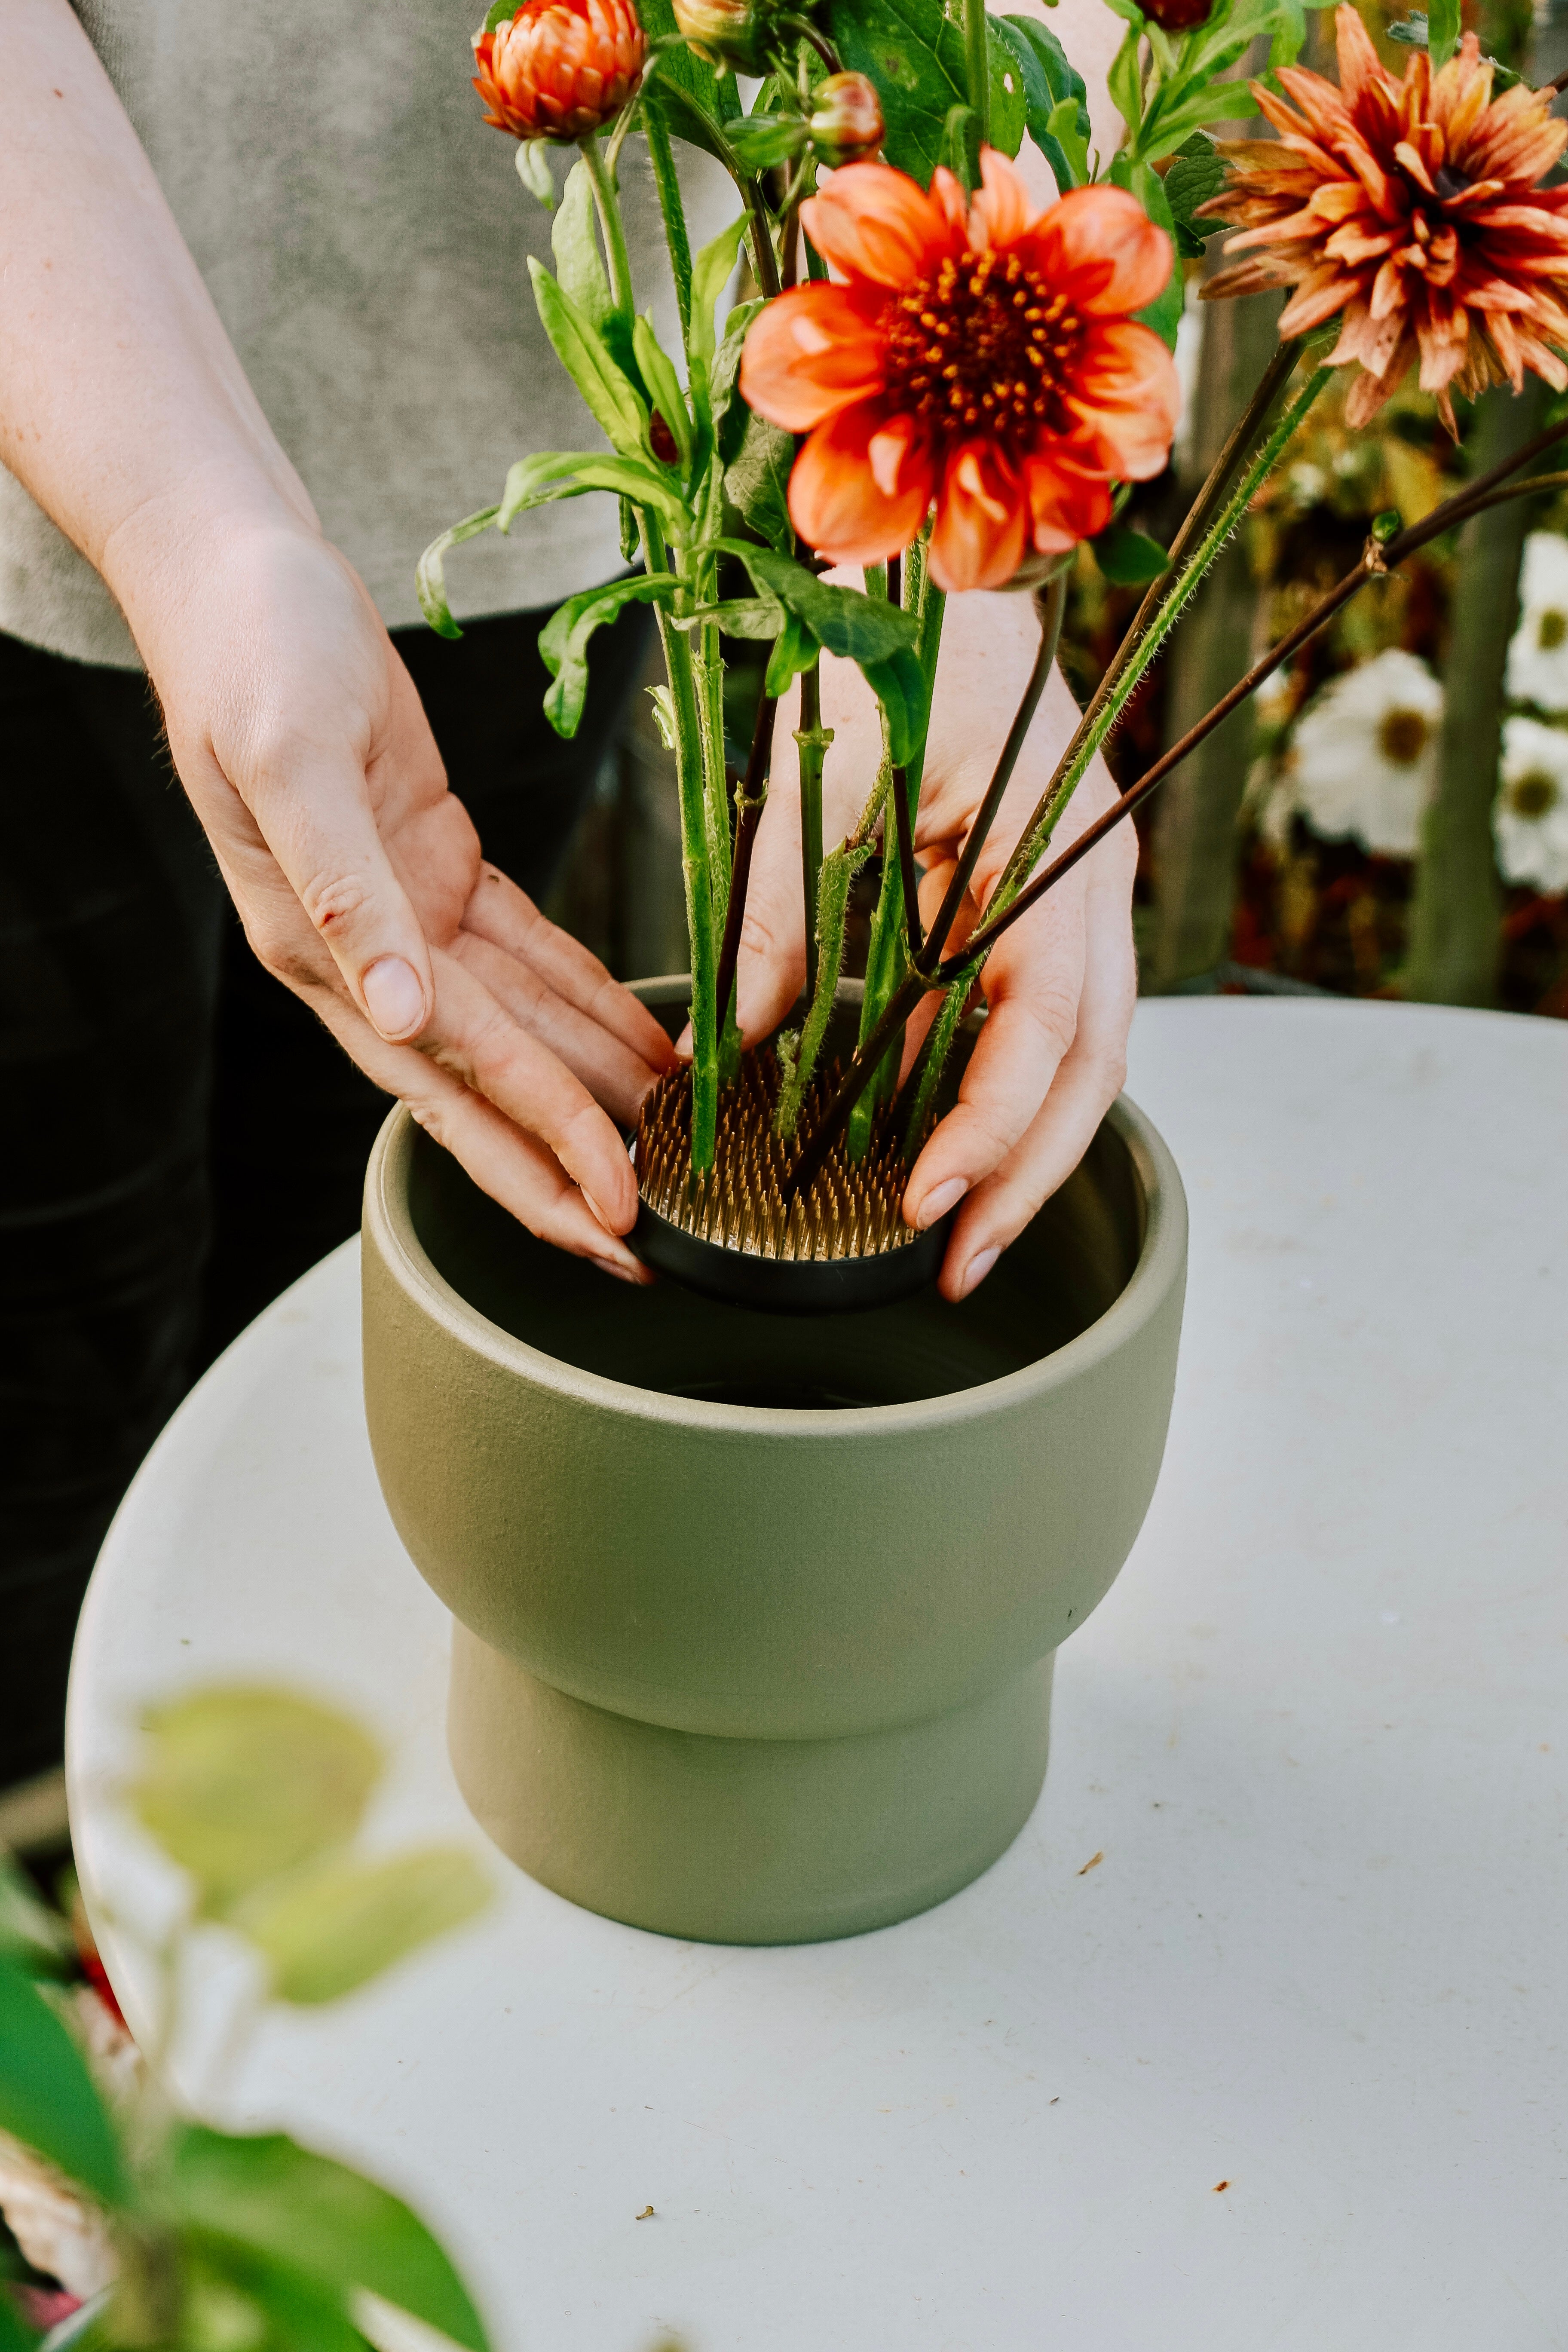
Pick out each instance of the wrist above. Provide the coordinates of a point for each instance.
(162, 555)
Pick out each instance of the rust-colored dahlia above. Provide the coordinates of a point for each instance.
(561, 68)
(1411, 210)
(985, 358)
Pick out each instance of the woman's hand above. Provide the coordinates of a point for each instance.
(299, 737)
(1059, 985)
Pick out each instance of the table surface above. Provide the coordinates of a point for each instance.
(1287, 2068)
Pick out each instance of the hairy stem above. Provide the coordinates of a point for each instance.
(666, 180)
(812, 740)
(612, 227)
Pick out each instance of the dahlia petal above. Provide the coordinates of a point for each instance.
(1003, 211)
(1370, 337)
(812, 352)
(947, 194)
(1254, 276)
(1316, 300)
(1387, 294)
(1098, 247)
(875, 224)
(1068, 501)
(837, 501)
(1365, 397)
(1361, 71)
(981, 513)
(1126, 398)
(1415, 165)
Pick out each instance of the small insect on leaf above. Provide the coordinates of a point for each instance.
(1219, 2185)
(1093, 1864)
(646, 2215)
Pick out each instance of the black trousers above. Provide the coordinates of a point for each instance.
(182, 1137)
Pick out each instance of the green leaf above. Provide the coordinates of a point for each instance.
(501, 12)
(535, 481)
(1443, 29)
(761, 141)
(319, 2221)
(575, 241)
(1009, 100)
(533, 171)
(241, 1783)
(13, 2336)
(628, 479)
(564, 641)
(679, 68)
(613, 402)
(235, 2300)
(1125, 83)
(1055, 100)
(914, 53)
(723, 375)
(1164, 313)
(710, 273)
(430, 580)
(657, 371)
(756, 480)
(1196, 173)
(878, 636)
(738, 616)
(795, 650)
(1128, 558)
(48, 2099)
(333, 1926)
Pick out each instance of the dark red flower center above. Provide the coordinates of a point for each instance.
(984, 347)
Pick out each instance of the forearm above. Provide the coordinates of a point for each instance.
(123, 409)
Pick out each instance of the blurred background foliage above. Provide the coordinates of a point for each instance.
(1394, 840)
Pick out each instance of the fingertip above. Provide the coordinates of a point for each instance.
(394, 998)
(958, 1281)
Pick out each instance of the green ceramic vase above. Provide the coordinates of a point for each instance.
(755, 1615)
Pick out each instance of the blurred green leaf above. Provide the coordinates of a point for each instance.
(48, 2099)
(242, 1784)
(533, 171)
(500, 12)
(761, 141)
(914, 53)
(338, 1923)
(430, 580)
(1443, 28)
(318, 2219)
(1164, 312)
(13, 2336)
(722, 377)
(613, 402)
(1056, 101)
(710, 273)
(795, 650)
(1125, 83)
(657, 372)
(35, 1937)
(1128, 558)
(564, 641)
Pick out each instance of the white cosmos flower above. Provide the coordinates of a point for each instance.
(1529, 816)
(1538, 655)
(1365, 754)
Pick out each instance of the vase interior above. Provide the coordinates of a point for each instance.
(1062, 1274)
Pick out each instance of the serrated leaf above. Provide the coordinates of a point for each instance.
(613, 401)
(756, 480)
(239, 1782)
(1054, 98)
(533, 171)
(564, 638)
(47, 2098)
(332, 1928)
(1128, 558)
(328, 2225)
(1196, 173)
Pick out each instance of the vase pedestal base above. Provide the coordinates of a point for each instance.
(741, 1841)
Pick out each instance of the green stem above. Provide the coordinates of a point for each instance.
(1065, 782)
(838, 872)
(978, 66)
(666, 180)
(813, 738)
(613, 227)
(696, 871)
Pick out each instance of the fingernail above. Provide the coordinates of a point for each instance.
(976, 1272)
(393, 997)
(621, 1273)
(940, 1200)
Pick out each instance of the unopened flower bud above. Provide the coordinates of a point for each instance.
(560, 68)
(846, 118)
(726, 32)
(1177, 16)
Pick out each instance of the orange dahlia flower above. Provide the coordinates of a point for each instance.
(1411, 209)
(983, 359)
(561, 68)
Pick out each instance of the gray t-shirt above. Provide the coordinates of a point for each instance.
(364, 235)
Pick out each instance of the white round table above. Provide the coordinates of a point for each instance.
(1287, 2067)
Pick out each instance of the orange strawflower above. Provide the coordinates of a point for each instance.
(560, 68)
(1412, 209)
(983, 359)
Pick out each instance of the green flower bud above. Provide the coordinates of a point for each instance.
(846, 118)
